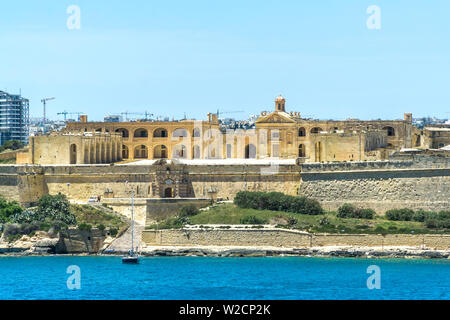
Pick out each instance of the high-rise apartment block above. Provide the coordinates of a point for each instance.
(14, 116)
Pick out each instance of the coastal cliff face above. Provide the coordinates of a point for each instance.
(71, 241)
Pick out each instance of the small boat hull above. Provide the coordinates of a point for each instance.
(130, 260)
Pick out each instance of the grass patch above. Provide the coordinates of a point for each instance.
(87, 215)
(229, 214)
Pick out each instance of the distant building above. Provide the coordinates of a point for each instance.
(14, 114)
(113, 118)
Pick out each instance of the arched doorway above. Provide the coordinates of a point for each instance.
(301, 151)
(73, 154)
(125, 153)
(168, 192)
(160, 152)
(196, 152)
(179, 152)
(141, 152)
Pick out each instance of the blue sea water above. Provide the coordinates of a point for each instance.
(191, 278)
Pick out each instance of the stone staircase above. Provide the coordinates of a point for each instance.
(123, 243)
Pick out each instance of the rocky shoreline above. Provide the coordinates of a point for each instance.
(348, 252)
(91, 244)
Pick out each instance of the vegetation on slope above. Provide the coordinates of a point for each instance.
(53, 214)
(328, 222)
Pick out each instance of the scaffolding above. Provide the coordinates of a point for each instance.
(14, 117)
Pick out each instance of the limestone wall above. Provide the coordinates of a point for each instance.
(381, 190)
(251, 237)
(287, 238)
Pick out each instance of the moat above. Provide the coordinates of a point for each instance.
(102, 278)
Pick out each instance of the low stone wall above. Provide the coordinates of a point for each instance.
(287, 239)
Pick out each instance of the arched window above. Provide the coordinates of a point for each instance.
(141, 133)
(316, 130)
(302, 132)
(124, 132)
(180, 133)
(160, 133)
(390, 131)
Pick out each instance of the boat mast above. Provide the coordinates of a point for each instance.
(132, 221)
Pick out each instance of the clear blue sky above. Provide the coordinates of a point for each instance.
(172, 57)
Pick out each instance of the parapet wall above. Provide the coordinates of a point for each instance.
(287, 239)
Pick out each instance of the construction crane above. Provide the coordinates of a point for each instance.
(44, 102)
(146, 114)
(65, 113)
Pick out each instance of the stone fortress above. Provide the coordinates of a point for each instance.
(380, 164)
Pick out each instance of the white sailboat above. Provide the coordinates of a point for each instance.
(132, 257)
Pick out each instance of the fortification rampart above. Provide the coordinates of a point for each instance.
(421, 182)
(288, 239)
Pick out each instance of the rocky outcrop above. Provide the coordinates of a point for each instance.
(81, 241)
(71, 241)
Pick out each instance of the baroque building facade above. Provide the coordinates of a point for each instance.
(277, 135)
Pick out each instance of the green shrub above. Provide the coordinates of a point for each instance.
(366, 213)
(277, 201)
(350, 211)
(101, 227)
(188, 211)
(400, 214)
(8, 209)
(113, 232)
(250, 219)
(55, 208)
(347, 210)
(21, 229)
(85, 226)
(12, 145)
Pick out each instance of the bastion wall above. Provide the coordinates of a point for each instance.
(413, 182)
(287, 239)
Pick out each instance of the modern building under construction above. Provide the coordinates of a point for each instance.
(14, 116)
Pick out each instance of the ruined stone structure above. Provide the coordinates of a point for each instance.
(80, 148)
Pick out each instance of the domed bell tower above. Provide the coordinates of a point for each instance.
(280, 104)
